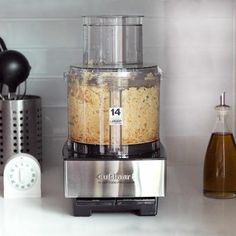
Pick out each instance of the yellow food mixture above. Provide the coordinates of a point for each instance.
(89, 114)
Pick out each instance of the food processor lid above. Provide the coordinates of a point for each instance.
(132, 67)
(112, 20)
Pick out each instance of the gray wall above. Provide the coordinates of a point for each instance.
(191, 40)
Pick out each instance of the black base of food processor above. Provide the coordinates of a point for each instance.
(139, 206)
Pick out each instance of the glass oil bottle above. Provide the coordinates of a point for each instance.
(219, 180)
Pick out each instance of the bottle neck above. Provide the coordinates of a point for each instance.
(221, 125)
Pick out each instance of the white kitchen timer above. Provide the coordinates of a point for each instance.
(22, 177)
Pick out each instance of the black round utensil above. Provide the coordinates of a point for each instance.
(14, 68)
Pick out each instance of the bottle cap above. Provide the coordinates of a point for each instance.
(222, 106)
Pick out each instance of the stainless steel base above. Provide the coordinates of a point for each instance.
(111, 185)
(114, 178)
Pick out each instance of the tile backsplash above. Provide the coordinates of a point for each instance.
(191, 40)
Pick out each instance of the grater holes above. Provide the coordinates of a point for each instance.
(1, 162)
(26, 139)
(39, 113)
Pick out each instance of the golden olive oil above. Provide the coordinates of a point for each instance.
(220, 166)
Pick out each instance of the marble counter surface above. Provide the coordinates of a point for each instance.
(184, 211)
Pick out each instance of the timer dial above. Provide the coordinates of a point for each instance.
(22, 176)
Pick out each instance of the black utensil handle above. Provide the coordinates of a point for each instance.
(3, 45)
(12, 89)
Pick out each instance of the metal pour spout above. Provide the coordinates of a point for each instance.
(222, 104)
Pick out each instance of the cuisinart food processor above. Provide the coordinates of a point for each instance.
(113, 159)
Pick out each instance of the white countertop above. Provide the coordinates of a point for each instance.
(184, 211)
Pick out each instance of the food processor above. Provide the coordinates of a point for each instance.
(113, 158)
